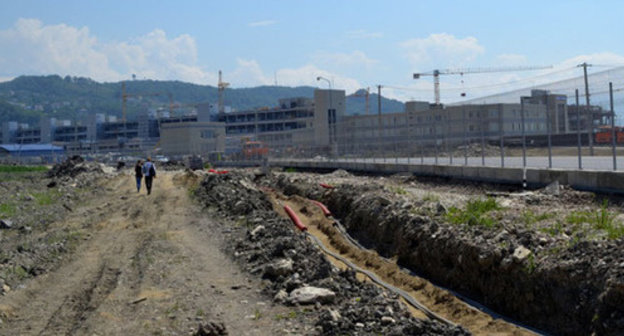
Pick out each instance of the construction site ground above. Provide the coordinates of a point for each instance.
(145, 265)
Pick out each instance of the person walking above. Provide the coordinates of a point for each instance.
(149, 171)
(138, 174)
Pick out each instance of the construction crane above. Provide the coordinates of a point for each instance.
(436, 74)
(221, 88)
(366, 96)
(125, 96)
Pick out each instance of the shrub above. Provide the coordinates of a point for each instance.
(476, 212)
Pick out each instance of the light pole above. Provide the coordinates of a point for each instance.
(331, 116)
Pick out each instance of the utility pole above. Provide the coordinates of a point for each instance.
(379, 117)
(590, 127)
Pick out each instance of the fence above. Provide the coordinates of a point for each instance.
(560, 124)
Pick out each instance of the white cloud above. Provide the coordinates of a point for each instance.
(263, 23)
(61, 49)
(355, 58)
(599, 59)
(363, 34)
(250, 73)
(443, 49)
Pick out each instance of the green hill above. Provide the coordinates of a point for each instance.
(27, 98)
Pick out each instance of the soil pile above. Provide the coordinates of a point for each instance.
(297, 273)
(73, 167)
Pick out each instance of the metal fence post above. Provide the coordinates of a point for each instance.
(578, 129)
(549, 127)
(502, 140)
(523, 133)
(482, 138)
(449, 147)
(465, 137)
(613, 139)
(435, 137)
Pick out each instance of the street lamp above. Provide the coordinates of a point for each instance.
(325, 79)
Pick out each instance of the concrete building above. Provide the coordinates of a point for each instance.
(188, 136)
(294, 124)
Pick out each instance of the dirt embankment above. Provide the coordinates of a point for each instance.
(565, 282)
(268, 245)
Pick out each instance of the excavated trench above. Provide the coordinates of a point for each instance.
(575, 294)
(437, 300)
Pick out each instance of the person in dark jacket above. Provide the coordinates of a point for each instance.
(149, 170)
(138, 174)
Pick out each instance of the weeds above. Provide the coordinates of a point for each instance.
(531, 264)
(8, 210)
(46, 197)
(475, 213)
(257, 314)
(290, 170)
(556, 229)
(398, 190)
(429, 197)
(529, 217)
(21, 169)
(600, 219)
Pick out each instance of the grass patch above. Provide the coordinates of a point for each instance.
(290, 170)
(477, 212)
(21, 169)
(429, 197)
(398, 190)
(599, 219)
(46, 197)
(529, 217)
(8, 210)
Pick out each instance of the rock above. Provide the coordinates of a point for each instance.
(6, 288)
(256, 230)
(52, 184)
(387, 320)
(521, 253)
(281, 296)
(359, 325)
(211, 329)
(334, 314)
(310, 295)
(6, 224)
(552, 189)
(280, 267)
(440, 208)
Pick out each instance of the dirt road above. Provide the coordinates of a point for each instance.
(147, 265)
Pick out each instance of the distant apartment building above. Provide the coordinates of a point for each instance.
(293, 124)
(423, 124)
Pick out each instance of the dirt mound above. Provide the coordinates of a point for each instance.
(73, 167)
(268, 245)
(566, 283)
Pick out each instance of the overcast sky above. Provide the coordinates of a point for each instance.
(354, 43)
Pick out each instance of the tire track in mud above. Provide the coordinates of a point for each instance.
(76, 309)
(438, 300)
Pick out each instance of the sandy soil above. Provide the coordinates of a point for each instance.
(148, 265)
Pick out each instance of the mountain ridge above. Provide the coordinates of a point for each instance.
(28, 98)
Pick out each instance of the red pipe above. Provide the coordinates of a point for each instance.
(326, 211)
(326, 186)
(294, 218)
